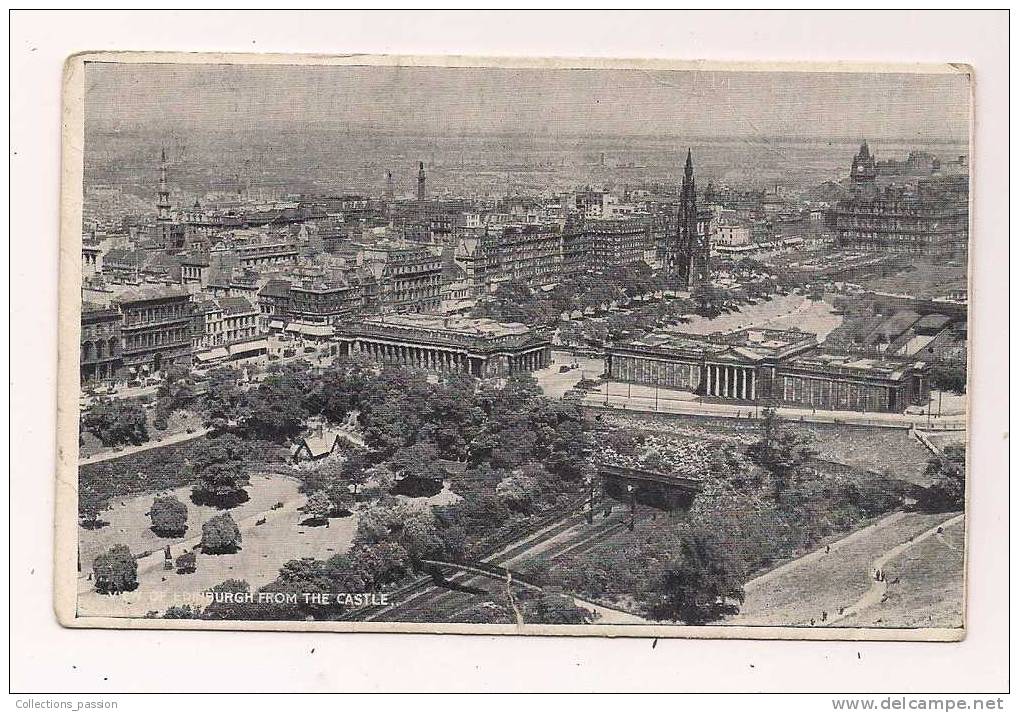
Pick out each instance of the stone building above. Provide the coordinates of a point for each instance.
(924, 213)
(890, 221)
(101, 357)
(479, 347)
(530, 253)
(600, 243)
(764, 366)
(156, 329)
(409, 275)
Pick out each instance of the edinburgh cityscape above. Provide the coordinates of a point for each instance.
(487, 346)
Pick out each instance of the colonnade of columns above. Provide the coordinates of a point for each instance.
(438, 360)
(731, 382)
(441, 360)
(529, 361)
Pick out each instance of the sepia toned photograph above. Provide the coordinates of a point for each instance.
(615, 348)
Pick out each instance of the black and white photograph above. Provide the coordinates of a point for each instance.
(420, 353)
(482, 346)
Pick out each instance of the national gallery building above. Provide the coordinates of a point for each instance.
(764, 366)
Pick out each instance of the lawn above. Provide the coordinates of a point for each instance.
(177, 422)
(161, 468)
(930, 590)
(265, 548)
(825, 581)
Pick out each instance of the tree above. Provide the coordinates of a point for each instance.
(947, 476)
(185, 611)
(221, 403)
(186, 563)
(949, 376)
(338, 390)
(519, 491)
(340, 500)
(230, 600)
(380, 564)
(318, 507)
(275, 411)
(706, 297)
(220, 469)
(220, 535)
(779, 451)
(91, 505)
(696, 583)
(177, 389)
(355, 468)
(117, 423)
(115, 571)
(169, 516)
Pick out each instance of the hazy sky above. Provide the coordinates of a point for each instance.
(546, 102)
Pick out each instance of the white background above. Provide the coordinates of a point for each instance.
(47, 658)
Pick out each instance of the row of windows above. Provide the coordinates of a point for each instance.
(157, 339)
(91, 351)
(826, 393)
(157, 314)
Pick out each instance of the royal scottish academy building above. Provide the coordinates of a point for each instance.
(480, 347)
(767, 366)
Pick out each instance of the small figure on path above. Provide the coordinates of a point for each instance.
(824, 616)
(827, 549)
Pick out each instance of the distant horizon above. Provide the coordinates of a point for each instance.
(707, 138)
(540, 103)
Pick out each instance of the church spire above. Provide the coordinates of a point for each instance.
(163, 193)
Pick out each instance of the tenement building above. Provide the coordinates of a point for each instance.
(156, 329)
(479, 347)
(101, 358)
(601, 243)
(766, 366)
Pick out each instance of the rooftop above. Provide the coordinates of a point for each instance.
(454, 325)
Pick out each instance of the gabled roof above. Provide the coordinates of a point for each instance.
(318, 445)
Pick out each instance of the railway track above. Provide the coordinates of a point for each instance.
(472, 584)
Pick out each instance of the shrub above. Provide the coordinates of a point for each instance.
(220, 535)
(115, 571)
(187, 563)
(169, 516)
(116, 423)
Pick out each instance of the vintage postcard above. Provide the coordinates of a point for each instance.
(514, 346)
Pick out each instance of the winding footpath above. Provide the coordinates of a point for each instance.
(875, 595)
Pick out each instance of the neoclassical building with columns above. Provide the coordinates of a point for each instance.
(480, 347)
(783, 367)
